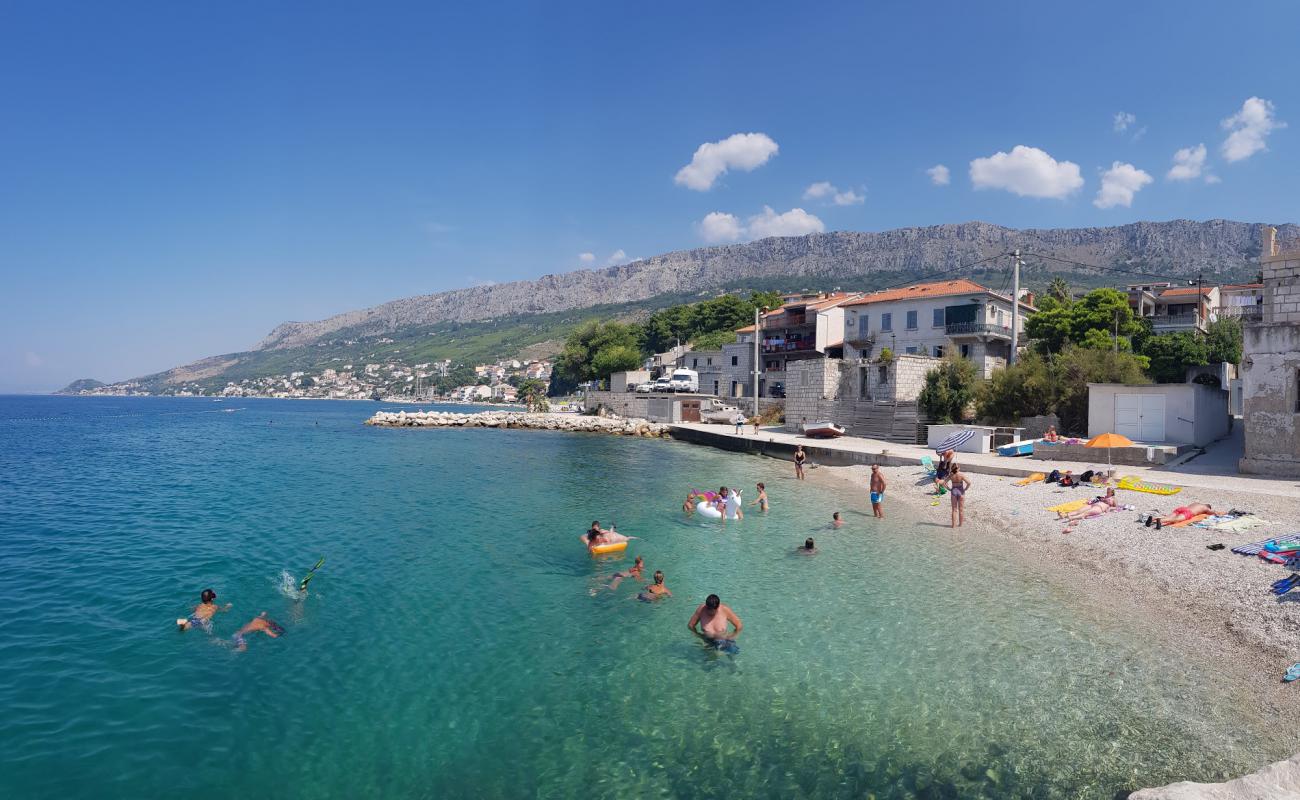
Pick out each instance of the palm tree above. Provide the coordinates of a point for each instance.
(533, 393)
(1059, 289)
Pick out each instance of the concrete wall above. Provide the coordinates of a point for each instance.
(1194, 414)
(1270, 376)
(811, 391)
(900, 380)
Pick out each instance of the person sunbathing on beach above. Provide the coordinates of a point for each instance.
(635, 571)
(1180, 514)
(203, 613)
(656, 590)
(1098, 506)
(259, 624)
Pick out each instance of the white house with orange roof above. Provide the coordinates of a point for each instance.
(807, 326)
(933, 319)
(1174, 308)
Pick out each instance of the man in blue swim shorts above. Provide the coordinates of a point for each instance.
(201, 616)
(877, 491)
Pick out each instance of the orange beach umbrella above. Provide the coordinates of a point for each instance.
(1109, 440)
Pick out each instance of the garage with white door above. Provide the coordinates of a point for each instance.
(1158, 413)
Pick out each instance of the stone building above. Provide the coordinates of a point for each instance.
(1270, 368)
(878, 402)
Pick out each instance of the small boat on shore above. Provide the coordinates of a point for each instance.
(822, 430)
(1022, 448)
(720, 414)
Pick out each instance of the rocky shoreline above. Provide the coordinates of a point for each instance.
(571, 423)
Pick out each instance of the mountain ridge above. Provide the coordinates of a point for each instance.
(1176, 247)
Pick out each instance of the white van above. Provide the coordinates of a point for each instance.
(685, 380)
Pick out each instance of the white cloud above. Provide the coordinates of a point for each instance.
(586, 258)
(818, 190)
(718, 227)
(744, 151)
(822, 189)
(1119, 184)
(1189, 162)
(617, 257)
(1213, 179)
(939, 175)
(1026, 171)
(1123, 120)
(1248, 128)
(1140, 133)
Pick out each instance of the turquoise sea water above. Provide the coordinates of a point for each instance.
(458, 641)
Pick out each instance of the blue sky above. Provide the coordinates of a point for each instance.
(178, 178)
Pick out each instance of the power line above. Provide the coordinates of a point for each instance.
(1100, 267)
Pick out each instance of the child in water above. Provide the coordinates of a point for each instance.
(835, 520)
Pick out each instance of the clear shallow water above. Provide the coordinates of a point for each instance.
(452, 645)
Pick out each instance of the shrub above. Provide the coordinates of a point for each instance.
(949, 390)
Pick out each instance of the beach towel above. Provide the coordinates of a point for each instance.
(1188, 521)
(1236, 523)
(1066, 508)
(1135, 484)
(1035, 478)
(1252, 549)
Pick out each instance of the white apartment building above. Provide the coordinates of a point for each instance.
(934, 319)
(810, 326)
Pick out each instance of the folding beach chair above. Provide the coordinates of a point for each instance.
(928, 463)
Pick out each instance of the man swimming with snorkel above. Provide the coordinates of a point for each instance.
(203, 613)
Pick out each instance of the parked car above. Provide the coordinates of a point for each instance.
(664, 384)
(685, 380)
(645, 388)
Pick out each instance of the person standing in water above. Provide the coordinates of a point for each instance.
(203, 613)
(809, 548)
(761, 502)
(799, 458)
(713, 617)
(957, 486)
(836, 522)
(877, 491)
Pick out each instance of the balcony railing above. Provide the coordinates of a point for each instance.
(976, 329)
(1244, 313)
(859, 336)
(1176, 321)
(800, 346)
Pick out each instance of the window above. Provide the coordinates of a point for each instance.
(735, 361)
(938, 351)
(1297, 392)
(883, 374)
(887, 322)
(695, 362)
(938, 318)
(1001, 318)
(708, 362)
(735, 386)
(715, 387)
(965, 351)
(911, 350)
(911, 320)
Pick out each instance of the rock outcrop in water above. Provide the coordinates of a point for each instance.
(510, 419)
(1175, 248)
(1280, 780)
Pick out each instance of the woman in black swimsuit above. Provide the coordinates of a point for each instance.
(799, 459)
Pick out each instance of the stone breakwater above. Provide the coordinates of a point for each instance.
(507, 419)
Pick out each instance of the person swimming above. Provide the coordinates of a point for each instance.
(203, 613)
(259, 624)
(656, 590)
(809, 548)
(637, 571)
(836, 522)
(311, 573)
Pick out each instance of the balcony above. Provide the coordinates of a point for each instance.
(959, 329)
(859, 337)
(1253, 313)
(798, 346)
(1176, 322)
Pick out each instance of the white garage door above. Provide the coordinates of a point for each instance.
(1140, 417)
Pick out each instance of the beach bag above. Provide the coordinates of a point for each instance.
(1086, 477)
(1054, 476)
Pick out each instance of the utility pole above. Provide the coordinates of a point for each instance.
(1015, 306)
(758, 321)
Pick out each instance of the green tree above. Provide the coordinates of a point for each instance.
(1171, 354)
(949, 389)
(533, 392)
(1223, 340)
(714, 340)
(1059, 290)
(1058, 322)
(1055, 383)
(768, 300)
(596, 349)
